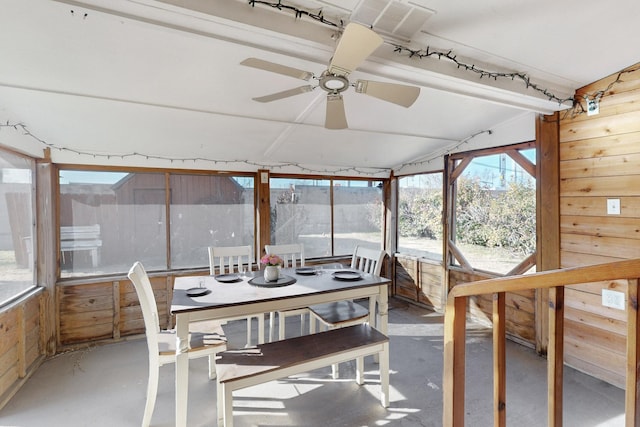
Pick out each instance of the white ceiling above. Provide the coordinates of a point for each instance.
(158, 83)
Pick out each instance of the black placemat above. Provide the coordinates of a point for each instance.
(282, 281)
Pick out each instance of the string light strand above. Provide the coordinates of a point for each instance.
(455, 147)
(429, 52)
(257, 165)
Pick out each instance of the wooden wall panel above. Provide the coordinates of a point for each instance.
(431, 289)
(21, 344)
(406, 279)
(419, 280)
(600, 159)
(106, 311)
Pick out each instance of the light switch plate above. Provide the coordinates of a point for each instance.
(613, 299)
(613, 206)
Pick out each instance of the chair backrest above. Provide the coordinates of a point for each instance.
(140, 280)
(367, 260)
(230, 259)
(292, 254)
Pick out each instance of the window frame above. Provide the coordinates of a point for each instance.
(332, 180)
(440, 218)
(455, 164)
(167, 208)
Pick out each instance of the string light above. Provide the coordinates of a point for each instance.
(257, 165)
(455, 147)
(429, 52)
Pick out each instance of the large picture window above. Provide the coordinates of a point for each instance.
(110, 219)
(17, 229)
(420, 215)
(494, 218)
(329, 217)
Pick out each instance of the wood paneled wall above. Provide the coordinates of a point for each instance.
(599, 160)
(418, 280)
(107, 310)
(21, 346)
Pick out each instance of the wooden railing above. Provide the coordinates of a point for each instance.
(554, 280)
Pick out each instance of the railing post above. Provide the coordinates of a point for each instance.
(455, 318)
(555, 356)
(499, 361)
(632, 418)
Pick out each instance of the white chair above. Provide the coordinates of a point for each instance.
(162, 343)
(293, 256)
(346, 313)
(235, 259)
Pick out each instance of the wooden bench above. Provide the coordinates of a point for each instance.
(81, 238)
(237, 369)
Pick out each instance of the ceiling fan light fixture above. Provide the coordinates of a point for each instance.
(333, 84)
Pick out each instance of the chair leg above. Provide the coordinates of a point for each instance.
(219, 404)
(248, 332)
(335, 371)
(152, 391)
(282, 319)
(212, 366)
(312, 324)
(261, 329)
(227, 399)
(272, 322)
(302, 322)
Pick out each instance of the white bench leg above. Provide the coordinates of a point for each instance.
(360, 370)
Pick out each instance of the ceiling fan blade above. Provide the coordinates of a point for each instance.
(284, 94)
(336, 118)
(277, 68)
(391, 92)
(355, 45)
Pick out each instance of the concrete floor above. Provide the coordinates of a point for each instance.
(105, 386)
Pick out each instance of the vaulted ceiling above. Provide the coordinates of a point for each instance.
(160, 84)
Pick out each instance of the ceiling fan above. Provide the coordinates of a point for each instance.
(355, 45)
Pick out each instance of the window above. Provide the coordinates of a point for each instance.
(495, 210)
(209, 210)
(108, 220)
(420, 215)
(17, 230)
(111, 219)
(329, 217)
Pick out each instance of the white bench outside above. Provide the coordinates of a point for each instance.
(81, 238)
(237, 369)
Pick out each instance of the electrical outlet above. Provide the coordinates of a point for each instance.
(613, 206)
(613, 299)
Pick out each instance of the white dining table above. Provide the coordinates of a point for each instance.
(241, 298)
